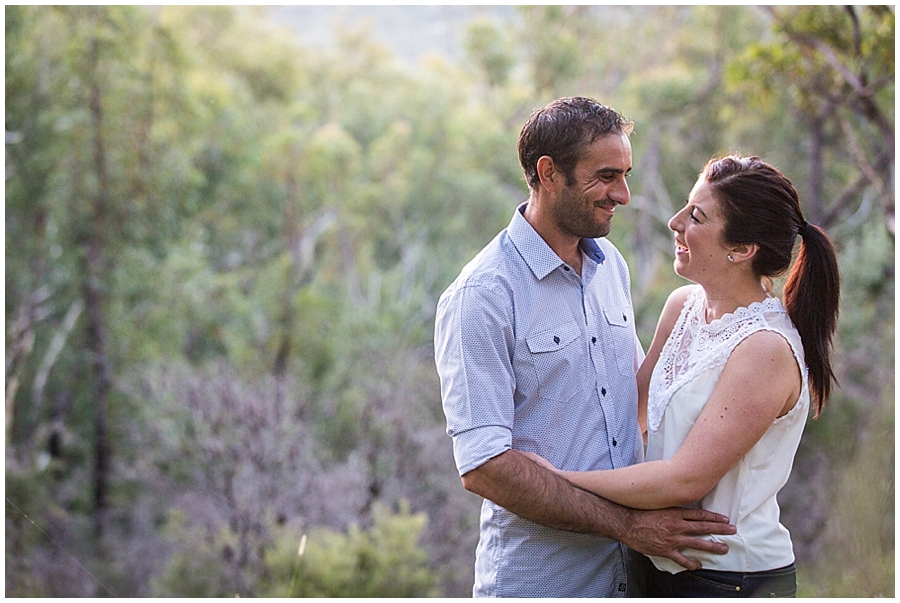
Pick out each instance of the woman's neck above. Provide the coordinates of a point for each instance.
(726, 299)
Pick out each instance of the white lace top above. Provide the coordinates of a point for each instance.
(683, 380)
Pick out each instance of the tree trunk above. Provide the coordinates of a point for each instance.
(815, 210)
(93, 292)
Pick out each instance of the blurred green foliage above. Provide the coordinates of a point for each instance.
(224, 250)
(385, 560)
(861, 526)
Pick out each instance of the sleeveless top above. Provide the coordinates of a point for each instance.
(688, 369)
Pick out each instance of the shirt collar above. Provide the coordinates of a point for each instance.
(534, 250)
(592, 250)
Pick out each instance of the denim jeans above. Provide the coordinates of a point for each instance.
(780, 582)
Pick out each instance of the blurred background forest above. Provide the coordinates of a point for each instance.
(224, 248)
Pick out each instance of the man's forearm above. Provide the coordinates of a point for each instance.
(521, 486)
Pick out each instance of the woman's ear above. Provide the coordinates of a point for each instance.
(744, 252)
(547, 172)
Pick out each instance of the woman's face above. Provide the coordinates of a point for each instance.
(700, 254)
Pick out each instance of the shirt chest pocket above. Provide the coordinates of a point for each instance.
(556, 357)
(622, 342)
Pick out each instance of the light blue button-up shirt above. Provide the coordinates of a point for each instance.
(533, 357)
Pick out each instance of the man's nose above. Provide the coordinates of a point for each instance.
(620, 193)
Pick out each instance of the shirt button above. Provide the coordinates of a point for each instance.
(566, 268)
(621, 587)
(615, 442)
(555, 339)
(603, 391)
(593, 340)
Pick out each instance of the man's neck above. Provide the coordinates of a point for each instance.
(564, 245)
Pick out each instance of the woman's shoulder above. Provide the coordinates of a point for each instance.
(765, 342)
(673, 308)
(678, 297)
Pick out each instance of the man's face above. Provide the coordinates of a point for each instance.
(585, 208)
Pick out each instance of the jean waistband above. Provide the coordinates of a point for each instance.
(736, 577)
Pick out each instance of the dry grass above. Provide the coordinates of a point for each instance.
(859, 551)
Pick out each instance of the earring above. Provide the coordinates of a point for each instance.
(730, 258)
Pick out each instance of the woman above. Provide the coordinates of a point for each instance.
(726, 385)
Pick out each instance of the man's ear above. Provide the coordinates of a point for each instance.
(548, 174)
(744, 252)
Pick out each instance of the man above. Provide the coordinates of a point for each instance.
(536, 350)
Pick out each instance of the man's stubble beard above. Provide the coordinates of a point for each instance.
(573, 216)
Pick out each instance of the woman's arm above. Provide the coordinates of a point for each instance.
(667, 319)
(760, 382)
(527, 490)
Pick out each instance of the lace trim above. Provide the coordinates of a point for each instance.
(695, 346)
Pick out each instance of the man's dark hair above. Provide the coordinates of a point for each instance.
(562, 130)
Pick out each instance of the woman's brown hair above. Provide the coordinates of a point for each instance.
(761, 206)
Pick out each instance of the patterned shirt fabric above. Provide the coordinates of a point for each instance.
(533, 357)
(690, 364)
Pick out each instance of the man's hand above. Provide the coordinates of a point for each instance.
(665, 532)
(520, 483)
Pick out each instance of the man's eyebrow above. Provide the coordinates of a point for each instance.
(611, 170)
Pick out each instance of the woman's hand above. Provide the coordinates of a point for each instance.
(538, 459)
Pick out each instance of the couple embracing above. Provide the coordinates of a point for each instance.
(551, 401)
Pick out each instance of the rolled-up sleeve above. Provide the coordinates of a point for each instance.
(473, 344)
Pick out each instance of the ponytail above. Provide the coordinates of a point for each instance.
(811, 297)
(761, 206)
